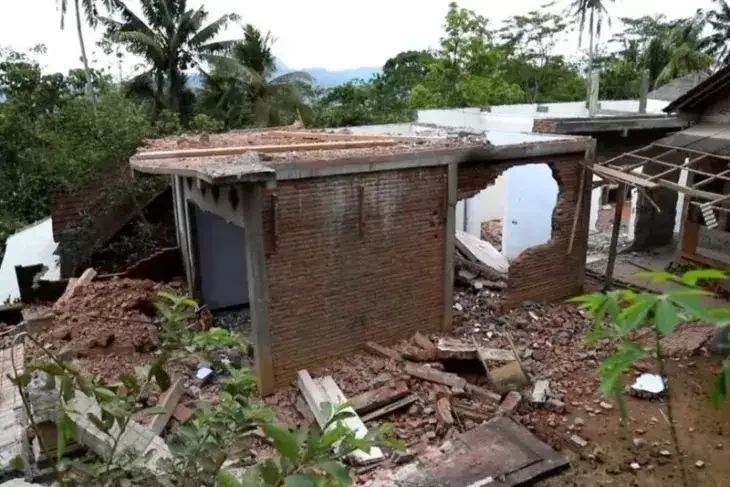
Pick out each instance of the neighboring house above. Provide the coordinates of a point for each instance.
(678, 87)
(337, 239)
(692, 166)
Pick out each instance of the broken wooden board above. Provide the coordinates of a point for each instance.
(484, 395)
(433, 375)
(325, 390)
(455, 349)
(394, 406)
(386, 352)
(499, 449)
(482, 252)
(168, 402)
(377, 398)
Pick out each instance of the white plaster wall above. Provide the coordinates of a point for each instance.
(680, 200)
(459, 221)
(487, 205)
(595, 206)
(531, 195)
(452, 117)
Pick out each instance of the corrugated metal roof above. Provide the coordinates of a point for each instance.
(703, 95)
(678, 87)
(710, 138)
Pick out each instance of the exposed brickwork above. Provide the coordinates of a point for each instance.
(543, 125)
(546, 272)
(339, 276)
(654, 229)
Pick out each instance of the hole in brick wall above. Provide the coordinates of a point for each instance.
(513, 212)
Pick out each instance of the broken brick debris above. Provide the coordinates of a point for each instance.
(454, 349)
(483, 394)
(510, 403)
(377, 398)
(383, 351)
(423, 342)
(74, 285)
(443, 411)
(182, 414)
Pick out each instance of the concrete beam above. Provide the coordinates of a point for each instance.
(452, 181)
(252, 199)
(519, 153)
(220, 206)
(616, 124)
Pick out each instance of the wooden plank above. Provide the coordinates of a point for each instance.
(623, 177)
(470, 413)
(353, 423)
(578, 207)
(377, 398)
(168, 402)
(386, 352)
(394, 406)
(694, 193)
(614, 236)
(269, 149)
(326, 390)
(481, 252)
(433, 375)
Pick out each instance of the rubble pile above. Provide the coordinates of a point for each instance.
(492, 232)
(108, 325)
(521, 363)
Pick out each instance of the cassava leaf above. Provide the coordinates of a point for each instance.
(692, 277)
(665, 316)
(285, 442)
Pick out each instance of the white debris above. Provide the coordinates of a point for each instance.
(699, 464)
(458, 307)
(651, 383)
(635, 466)
(540, 391)
(606, 405)
(578, 441)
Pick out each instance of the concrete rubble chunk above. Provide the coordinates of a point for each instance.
(540, 392)
(578, 441)
(433, 375)
(455, 349)
(443, 411)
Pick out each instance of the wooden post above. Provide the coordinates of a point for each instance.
(686, 201)
(614, 235)
(644, 93)
(253, 205)
(449, 236)
(593, 96)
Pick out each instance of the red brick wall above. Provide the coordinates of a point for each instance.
(543, 125)
(339, 276)
(546, 272)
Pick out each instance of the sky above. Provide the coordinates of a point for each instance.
(334, 34)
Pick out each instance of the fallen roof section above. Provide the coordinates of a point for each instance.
(276, 154)
(612, 122)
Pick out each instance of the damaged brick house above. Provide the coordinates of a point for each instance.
(335, 239)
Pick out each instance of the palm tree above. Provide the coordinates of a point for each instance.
(593, 13)
(172, 39)
(684, 48)
(90, 10)
(245, 80)
(718, 43)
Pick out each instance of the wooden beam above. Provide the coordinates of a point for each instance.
(684, 165)
(692, 170)
(433, 375)
(693, 151)
(269, 149)
(577, 212)
(167, 401)
(394, 406)
(695, 193)
(623, 177)
(614, 235)
(377, 398)
(707, 181)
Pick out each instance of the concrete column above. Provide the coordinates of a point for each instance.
(449, 236)
(595, 205)
(252, 198)
(644, 93)
(593, 97)
(680, 200)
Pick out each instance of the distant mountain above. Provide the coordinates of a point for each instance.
(322, 76)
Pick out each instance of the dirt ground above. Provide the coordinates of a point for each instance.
(703, 431)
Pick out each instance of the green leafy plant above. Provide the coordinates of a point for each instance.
(620, 314)
(218, 338)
